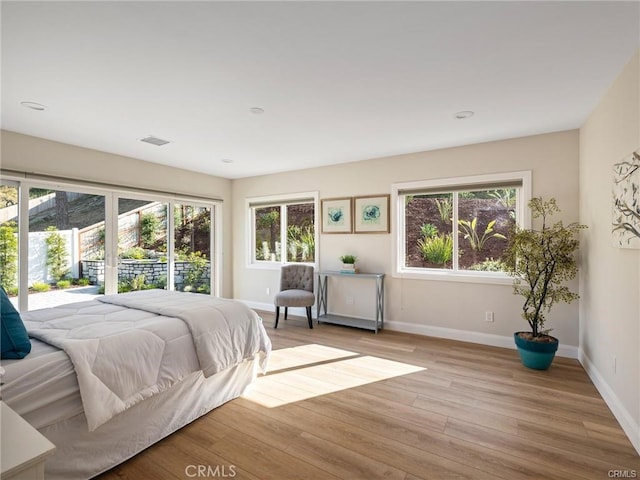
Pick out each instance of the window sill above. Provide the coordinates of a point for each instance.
(450, 276)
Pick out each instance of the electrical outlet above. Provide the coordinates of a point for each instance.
(488, 316)
(268, 291)
(349, 300)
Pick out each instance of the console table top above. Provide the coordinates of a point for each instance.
(336, 272)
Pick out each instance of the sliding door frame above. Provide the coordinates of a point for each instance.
(112, 194)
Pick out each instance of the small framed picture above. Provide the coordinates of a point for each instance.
(371, 214)
(336, 215)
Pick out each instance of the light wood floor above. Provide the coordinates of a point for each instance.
(342, 403)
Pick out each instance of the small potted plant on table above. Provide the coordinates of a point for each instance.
(540, 262)
(348, 264)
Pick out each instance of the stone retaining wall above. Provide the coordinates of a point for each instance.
(155, 272)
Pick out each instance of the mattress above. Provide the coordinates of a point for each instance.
(42, 387)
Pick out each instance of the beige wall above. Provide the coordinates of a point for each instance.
(431, 307)
(36, 155)
(610, 277)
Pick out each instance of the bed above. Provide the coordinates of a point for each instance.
(190, 353)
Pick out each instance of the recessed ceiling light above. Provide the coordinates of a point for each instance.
(256, 110)
(226, 160)
(34, 106)
(464, 114)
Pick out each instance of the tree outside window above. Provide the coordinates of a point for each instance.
(301, 244)
(284, 232)
(267, 234)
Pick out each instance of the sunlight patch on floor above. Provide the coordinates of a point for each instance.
(286, 358)
(277, 389)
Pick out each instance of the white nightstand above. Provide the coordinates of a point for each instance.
(23, 449)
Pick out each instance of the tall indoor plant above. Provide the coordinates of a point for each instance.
(541, 261)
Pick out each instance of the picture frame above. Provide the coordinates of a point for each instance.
(625, 223)
(371, 214)
(337, 215)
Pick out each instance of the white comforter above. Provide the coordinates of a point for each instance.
(128, 347)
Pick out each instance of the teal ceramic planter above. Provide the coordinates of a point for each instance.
(536, 355)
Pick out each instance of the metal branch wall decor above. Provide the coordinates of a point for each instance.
(626, 202)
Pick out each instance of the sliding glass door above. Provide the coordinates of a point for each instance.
(64, 233)
(143, 261)
(62, 243)
(9, 208)
(156, 250)
(193, 247)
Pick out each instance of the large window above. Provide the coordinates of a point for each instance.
(193, 248)
(282, 229)
(62, 242)
(58, 244)
(459, 227)
(142, 244)
(9, 198)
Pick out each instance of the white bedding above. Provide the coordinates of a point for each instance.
(42, 388)
(150, 349)
(225, 332)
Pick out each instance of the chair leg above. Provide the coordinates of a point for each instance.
(286, 311)
(277, 316)
(309, 317)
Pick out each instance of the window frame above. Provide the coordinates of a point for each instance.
(521, 181)
(282, 201)
(111, 193)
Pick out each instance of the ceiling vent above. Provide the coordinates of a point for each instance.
(158, 142)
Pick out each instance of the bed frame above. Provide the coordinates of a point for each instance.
(81, 454)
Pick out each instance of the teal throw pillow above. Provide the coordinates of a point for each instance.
(14, 340)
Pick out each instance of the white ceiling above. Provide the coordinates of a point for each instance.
(338, 81)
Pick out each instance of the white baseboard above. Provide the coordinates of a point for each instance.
(567, 351)
(630, 427)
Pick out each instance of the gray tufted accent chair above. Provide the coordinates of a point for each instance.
(296, 290)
